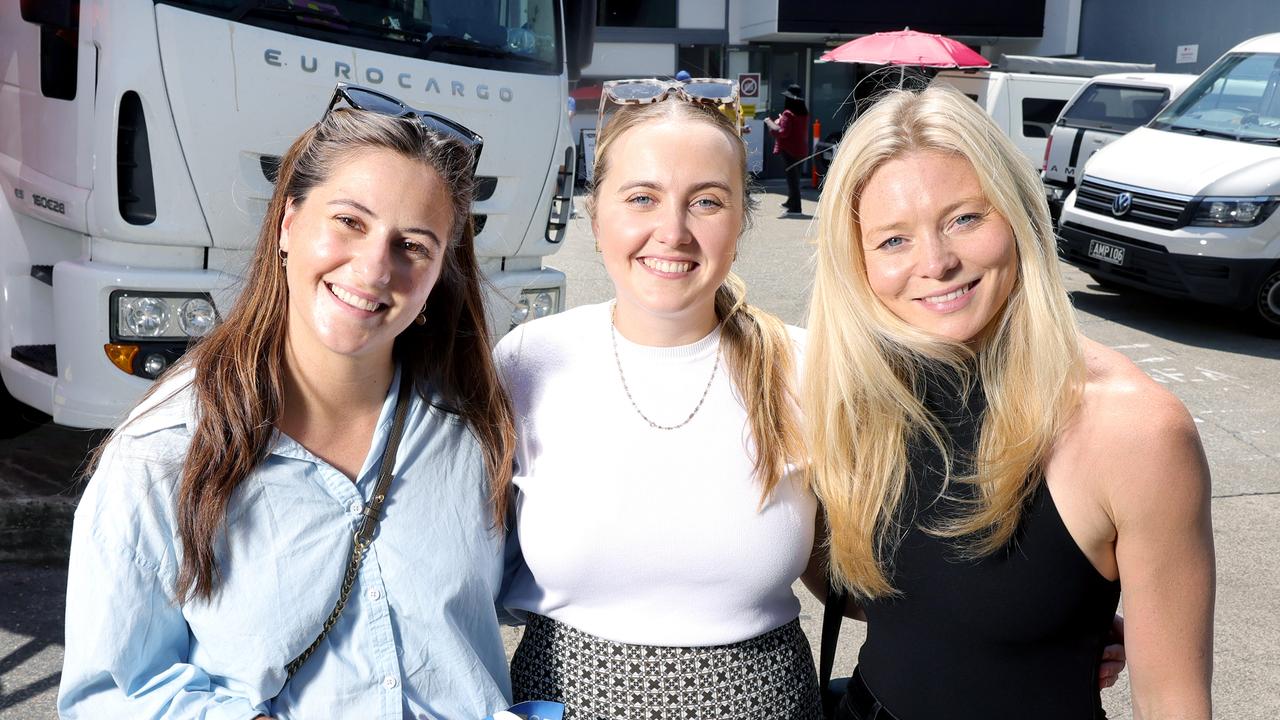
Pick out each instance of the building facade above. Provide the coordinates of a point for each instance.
(781, 41)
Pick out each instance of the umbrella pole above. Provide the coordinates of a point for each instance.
(902, 75)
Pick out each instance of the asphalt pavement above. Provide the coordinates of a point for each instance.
(1223, 372)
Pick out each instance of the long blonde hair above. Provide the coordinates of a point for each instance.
(757, 348)
(864, 364)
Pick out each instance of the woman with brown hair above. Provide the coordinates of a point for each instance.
(349, 390)
(661, 522)
(991, 478)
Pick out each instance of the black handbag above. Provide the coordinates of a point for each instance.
(832, 614)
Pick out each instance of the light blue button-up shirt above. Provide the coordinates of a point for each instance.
(419, 637)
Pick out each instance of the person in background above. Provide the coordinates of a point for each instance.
(213, 572)
(790, 131)
(661, 521)
(990, 477)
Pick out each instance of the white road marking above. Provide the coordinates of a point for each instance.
(1167, 375)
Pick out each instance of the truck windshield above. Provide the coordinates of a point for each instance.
(511, 35)
(1237, 98)
(1115, 107)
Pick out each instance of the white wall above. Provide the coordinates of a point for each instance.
(616, 59)
(750, 19)
(701, 14)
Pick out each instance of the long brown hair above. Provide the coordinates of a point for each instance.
(239, 366)
(757, 347)
(863, 364)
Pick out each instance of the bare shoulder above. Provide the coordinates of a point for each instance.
(1120, 399)
(1146, 440)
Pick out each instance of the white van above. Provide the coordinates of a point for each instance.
(1185, 207)
(1026, 94)
(1104, 109)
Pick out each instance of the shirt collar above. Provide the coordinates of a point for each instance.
(171, 403)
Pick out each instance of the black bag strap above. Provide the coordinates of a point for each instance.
(369, 523)
(832, 615)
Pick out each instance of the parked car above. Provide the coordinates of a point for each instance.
(1185, 207)
(1103, 109)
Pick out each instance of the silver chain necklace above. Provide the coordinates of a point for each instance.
(613, 334)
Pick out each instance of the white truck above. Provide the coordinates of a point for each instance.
(1185, 207)
(139, 141)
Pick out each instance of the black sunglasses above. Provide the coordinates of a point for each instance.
(362, 98)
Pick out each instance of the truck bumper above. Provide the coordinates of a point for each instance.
(1232, 282)
(503, 289)
(86, 390)
(1055, 195)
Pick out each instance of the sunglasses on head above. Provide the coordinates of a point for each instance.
(708, 91)
(362, 98)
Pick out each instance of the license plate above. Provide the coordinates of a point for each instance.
(1106, 252)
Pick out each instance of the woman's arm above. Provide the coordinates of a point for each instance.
(1158, 493)
(127, 642)
(815, 573)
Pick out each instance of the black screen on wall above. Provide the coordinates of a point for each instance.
(1007, 18)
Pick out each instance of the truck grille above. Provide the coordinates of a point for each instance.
(1148, 208)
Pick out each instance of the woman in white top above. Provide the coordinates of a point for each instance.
(660, 523)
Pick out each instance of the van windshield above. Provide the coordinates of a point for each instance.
(1115, 107)
(1237, 98)
(511, 35)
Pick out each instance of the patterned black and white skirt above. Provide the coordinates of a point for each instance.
(770, 677)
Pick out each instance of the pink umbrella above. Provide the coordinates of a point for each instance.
(906, 47)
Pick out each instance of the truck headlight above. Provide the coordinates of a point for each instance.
(535, 303)
(1054, 193)
(196, 317)
(1233, 212)
(139, 315)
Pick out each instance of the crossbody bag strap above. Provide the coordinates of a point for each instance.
(369, 522)
(832, 615)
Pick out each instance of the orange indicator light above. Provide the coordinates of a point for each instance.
(121, 355)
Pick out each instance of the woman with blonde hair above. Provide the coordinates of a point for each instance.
(661, 523)
(303, 518)
(990, 477)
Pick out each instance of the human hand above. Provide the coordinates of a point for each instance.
(1113, 658)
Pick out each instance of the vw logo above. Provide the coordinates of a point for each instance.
(1120, 206)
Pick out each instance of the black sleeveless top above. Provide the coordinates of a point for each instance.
(1016, 634)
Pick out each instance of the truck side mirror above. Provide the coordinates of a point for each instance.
(580, 32)
(57, 14)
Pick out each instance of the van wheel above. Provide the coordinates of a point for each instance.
(1268, 303)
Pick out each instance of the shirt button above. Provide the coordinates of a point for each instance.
(355, 507)
(374, 594)
(389, 682)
